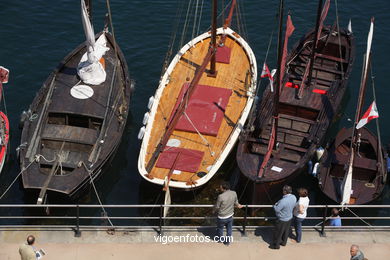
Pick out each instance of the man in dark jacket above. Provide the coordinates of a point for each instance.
(284, 213)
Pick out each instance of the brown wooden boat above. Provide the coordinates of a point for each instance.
(290, 123)
(354, 169)
(199, 108)
(72, 128)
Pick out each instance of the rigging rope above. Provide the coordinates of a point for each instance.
(380, 155)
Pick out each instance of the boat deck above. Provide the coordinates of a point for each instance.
(235, 76)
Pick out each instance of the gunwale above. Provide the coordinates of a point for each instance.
(226, 143)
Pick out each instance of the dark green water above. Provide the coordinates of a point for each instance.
(36, 35)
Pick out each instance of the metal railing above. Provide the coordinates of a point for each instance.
(73, 217)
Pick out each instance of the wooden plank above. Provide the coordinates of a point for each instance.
(70, 134)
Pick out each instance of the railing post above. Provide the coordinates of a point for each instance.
(245, 221)
(322, 233)
(161, 219)
(77, 232)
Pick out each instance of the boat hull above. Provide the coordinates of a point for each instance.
(368, 178)
(227, 133)
(67, 139)
(302, 122)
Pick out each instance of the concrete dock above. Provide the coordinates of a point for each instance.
(96, 245)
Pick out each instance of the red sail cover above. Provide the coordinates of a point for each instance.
(186, 159)
(205, 109)
(223, 54)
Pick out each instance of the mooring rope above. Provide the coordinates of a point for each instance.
(96, 193)
(12, 183)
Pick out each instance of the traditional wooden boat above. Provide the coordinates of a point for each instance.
(354, 169)
(199, 108)
(76, 121)
(4, 123)
(290, 122)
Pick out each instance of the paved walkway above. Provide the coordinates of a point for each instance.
(62, 245)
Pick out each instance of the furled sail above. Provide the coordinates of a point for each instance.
(90, 70)
(347, 181)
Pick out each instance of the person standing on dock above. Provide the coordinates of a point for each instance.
(284, 213)
(300, 212)
(27, 251)
(225, 209)
(356, 254)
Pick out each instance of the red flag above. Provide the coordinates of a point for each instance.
(289, 30)
(265, 73)
(4, 75)
(371, 113)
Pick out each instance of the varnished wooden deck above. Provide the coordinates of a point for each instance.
(231, 76)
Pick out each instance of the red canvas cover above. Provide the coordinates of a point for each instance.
(205, 108)
(223, 54)
(187, 160)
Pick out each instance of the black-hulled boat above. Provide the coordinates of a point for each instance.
(76, 120)
(290, 122)
(354, 168)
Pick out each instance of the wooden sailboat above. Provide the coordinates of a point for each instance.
(199, 108)
(291, 121)
(4, 123)
(76, 121)
(353, 169)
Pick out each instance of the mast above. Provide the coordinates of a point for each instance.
(317, 35)
(213, 44)
(347, 182)
(275, 114)
(88, 4)
(313, 51)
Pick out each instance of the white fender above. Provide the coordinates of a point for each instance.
(146, 118)
(141, 132)
(150, 103)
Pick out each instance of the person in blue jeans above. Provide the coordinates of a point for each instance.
(300, 212)
(225, 210)
(335, 219)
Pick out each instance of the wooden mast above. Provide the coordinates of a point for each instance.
(315, 40)
(213, 44)
(181, 108)
(347, 182)
(88, 4)
(309, 67)
(273, 136)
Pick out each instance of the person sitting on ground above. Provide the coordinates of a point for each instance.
(335, 219)
(356, 254)
(27, 251)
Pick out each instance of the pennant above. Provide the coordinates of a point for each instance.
(370, 114)
(265, 73)
(4, 73)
